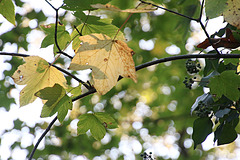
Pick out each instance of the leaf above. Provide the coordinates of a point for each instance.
(232, 13)
(225, 133)
(57, 101)
(63, 37)
(205, 80)
(202, 127)
(90, 121)
(108, 121)
(142, 8)
(81, 4)
(227, 84)
(228, 42)
(104, 26)
(7, 10)
(222, 112)
(36, 74)
(107, 58)
(75, 91)
(214, 8)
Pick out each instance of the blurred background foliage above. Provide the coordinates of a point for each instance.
(153, 114)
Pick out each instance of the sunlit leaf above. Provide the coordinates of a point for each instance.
(7, 10)
(63, 37)
(92, 123)
(57, 101)
(36, 74)
(103, 26)
(232, 13)
(107, 58)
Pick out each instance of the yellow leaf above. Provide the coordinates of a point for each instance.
(107, 58)
(232, 13)
(142, 8)
(36, 74)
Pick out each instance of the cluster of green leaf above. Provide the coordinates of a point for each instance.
(217, 111)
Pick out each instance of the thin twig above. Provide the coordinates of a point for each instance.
(201, 11)
(182, 15)
(42, 136)
(73, 76)
(55, 36)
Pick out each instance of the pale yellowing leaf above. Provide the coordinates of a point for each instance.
(232, 13)
(142, 8)
(36, 74)
(107, 58)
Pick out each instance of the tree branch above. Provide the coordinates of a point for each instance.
(42, 136)
(60, 69)
(179, 14)
(55, 36)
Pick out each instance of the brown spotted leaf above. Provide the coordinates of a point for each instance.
(232, 13)
(107, 58)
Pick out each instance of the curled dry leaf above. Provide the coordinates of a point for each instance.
(142, 8)
(36, 74)
(232, 13)
(228, 42)
(107, 58)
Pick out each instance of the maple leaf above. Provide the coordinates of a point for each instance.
(228, 42)
(37, 74)
(107, 58)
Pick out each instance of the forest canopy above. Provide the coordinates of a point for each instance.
(110, 79)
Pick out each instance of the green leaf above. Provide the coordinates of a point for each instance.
(75, 91)
(57, 101)
(108, 121)
(215, 8)
(82, 4)
(202, 127)
(225, 133)
(63, 37)
(227, 84)
(211, 64)
(97, 123)
(90, 121)
(7, 10)
(104, 28)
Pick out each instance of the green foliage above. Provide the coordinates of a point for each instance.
(97, 123)
(100, 26)
(81, 4)
(57, 101)
(7, 10)
(202, 127)
(161, 112)
(63, 37)
(215, 8)
(227, 84)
